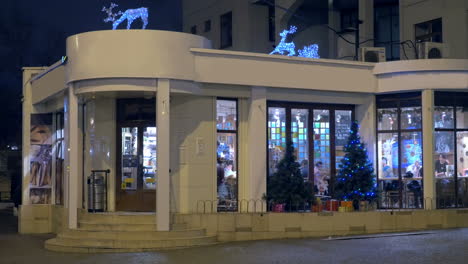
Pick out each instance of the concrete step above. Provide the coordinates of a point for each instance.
(130, 235)
(92, 226)
(110, 245)
(118, 218)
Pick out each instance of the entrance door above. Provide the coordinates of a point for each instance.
(136, 177)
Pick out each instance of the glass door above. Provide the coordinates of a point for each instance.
(137, 169)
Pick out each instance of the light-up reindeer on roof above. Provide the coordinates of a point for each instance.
(284, 46)
(130, 15)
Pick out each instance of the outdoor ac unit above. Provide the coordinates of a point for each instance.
(372, 54)
(432, 50)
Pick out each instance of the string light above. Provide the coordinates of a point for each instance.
(289, 48)
(130, 15)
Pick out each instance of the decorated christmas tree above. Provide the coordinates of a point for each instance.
(286, 185)
(355, 180)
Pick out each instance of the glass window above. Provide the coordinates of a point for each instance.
(321, 151)
(411, 154)
(226, 115)
(342, 128)
(226, 161)
(226, 30)
(207, 25)
(299, 129)
(411, 118)
(387, 119)
(388, 155)
(129, 158)
(462, 117)
(443, 117)
(444, 154)
(276, 136)
(149, 158)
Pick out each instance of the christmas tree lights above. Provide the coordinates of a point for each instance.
(355, 180)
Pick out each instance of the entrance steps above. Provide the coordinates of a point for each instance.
(125, 232)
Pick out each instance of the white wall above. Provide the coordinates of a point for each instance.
(454, 22)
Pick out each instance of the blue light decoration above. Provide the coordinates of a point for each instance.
(130, 15)
(283, 47)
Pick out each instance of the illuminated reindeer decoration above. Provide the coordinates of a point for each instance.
(130, 15)
(310, 51)
(284, 46)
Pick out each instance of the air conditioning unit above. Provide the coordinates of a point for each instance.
(432, 50)
(372, 54)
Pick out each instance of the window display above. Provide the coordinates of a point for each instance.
(399, 148)
(276, 136)
(321, 151)
(450, 149)
(130, 159)
(149, 158)
(226, 161)
(299, 128)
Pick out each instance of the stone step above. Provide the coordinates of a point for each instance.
(110, 245)
(132, 235)
(118, 218)
(92, 226)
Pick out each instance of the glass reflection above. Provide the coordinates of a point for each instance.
(226, 115)
(411, 118)
(387, 119)
(462, 117)
(129, 158)
(299, 128)
(321, 151)
(149, 158)
(443, 117)
(276, 136)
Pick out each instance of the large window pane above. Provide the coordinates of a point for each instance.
(149, 158)
(443, 117)
(276, 136)
(462, 117)
(130, 160)
(444, 169)
(226, 115)
(342, 128)
(299, 128)
(411, 118)
(411, 169)
(227, 171)
(387, 119)
(321, 151)
(388, 155)
(462, 167)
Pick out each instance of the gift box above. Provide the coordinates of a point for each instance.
(332, 205)
(342, 209)
(278, 208)
(346, 204)
(317, 208)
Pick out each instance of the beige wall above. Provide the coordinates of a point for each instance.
(249, 23)
(454, 22)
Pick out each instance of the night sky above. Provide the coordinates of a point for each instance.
(33, 33)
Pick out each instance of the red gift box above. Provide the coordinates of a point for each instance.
(317, 208)
(278, 208)
(332, 205)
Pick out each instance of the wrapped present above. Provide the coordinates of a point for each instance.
(363, 206)
(346, 203)
(278, 208)
(342, 209)
(317, 208)
(332, 205)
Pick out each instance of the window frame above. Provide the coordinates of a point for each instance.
(395, 101)
(228, 24)
(288, 106)
(453, 99)
(236, 132)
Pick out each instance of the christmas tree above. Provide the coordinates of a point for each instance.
(286, 185)
(355, 180)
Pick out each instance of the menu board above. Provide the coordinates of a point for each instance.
(342, 133)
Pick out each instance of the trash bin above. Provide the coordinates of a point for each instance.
(97, 190)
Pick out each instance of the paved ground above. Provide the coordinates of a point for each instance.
(447, 246)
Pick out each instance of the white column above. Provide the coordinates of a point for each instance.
(366, 29)
(257, 143)
(72, 156)
(27, 110)
(163, 154)
(428, 148)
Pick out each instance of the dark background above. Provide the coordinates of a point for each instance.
(33, 33)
